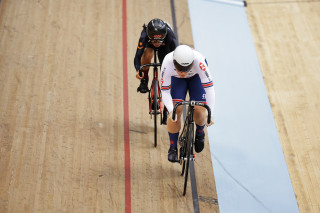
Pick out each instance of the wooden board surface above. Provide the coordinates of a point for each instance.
(61, 112)
(61, 120)
(287, 39)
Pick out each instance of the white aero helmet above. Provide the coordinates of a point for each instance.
(183, 58)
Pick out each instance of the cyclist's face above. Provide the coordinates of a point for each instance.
(156, 43)
(182, 74)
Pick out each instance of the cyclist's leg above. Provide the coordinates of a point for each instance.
(162, 52)
(145, 59)
(178, 93)
(165, 115)
(197, 93)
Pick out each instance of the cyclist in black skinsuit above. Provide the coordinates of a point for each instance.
(156, 35)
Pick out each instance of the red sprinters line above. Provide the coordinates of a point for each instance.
(126, 110)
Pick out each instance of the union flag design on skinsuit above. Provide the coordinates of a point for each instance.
(202, 66)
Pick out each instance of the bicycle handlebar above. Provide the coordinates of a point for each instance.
(148, 65)
(192, 103)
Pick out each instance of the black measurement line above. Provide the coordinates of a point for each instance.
(131, 130)
(174, 22)
(194, 188)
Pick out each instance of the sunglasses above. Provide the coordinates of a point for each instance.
(156, 41)
(180, 68)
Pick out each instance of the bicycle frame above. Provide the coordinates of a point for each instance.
(188, 133)
(186, 138)
(155, 87)
(155, 96)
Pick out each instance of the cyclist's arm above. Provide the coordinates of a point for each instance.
(140, 49)
(173, 43)
(167, 99)
(207, 81)
(210, 97)
(166, 86)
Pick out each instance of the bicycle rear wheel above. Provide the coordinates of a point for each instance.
(155, 109)
(188, 156)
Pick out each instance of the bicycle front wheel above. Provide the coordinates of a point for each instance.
(155, 109)
(188, 156)
(183, 154)
(183, 141)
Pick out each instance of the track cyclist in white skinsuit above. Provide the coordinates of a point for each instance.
(184, 70)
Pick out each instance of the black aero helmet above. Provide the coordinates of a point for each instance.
(156, 29)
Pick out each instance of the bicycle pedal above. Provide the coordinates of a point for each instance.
(191, 158)
(152, 113)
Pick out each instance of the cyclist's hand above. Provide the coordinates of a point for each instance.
(170, 117)
(211, 122)
(138, 76)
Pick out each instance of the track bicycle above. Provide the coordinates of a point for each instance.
(186, 138)
(154, 96)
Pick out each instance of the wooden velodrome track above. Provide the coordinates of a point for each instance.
(62, 112)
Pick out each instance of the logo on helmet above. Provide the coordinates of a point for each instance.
(157, 36)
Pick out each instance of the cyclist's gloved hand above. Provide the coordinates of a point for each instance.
(211, 122)
(170, 117)
(138, 76)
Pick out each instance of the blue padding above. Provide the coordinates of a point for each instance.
(249, 167)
